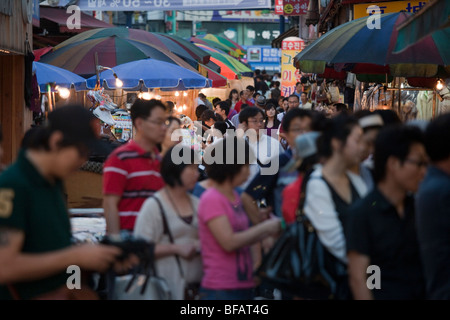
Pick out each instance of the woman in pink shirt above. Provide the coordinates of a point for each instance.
(224, 228)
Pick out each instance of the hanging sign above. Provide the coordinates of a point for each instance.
(290, 75)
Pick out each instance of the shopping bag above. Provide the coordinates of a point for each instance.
(141, 287)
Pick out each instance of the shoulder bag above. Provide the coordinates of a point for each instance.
(300, 265)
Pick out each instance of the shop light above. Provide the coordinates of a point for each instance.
(439, 85)
(177, 93)
(119, 82)
(146, 96)
(184, 107)
(63, 92)
(158, 97)
(185, 94)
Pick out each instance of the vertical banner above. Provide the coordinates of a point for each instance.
(290, 75)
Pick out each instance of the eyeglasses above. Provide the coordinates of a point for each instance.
(417, 163)
(257, 121)
(159, 123)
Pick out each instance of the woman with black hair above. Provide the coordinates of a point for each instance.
(271, 121)
(224, 227)
(330, 190)
(180, 173)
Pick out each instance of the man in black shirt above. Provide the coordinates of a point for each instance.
(433, 210)
(380, 229)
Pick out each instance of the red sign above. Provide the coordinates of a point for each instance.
(293, 44)
(291, 7)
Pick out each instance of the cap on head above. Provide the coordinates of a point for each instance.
(261, 100)
(371, 121)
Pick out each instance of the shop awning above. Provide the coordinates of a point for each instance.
(433, 17)
(60, 17)
(292, 32)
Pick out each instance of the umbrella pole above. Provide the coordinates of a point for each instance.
(399, 96)
(393, 94)
(434, 103)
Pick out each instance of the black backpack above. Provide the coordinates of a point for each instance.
(299, 265)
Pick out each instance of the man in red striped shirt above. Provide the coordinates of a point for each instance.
(131, 173)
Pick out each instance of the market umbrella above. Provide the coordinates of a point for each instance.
(187, 45)
(38, 53)
(228, 60)
(354, 46)
(151, 73)
(213, 44)
(79, 56)
(238, 49)
(217, 80)
(153, 38)
(46, 74)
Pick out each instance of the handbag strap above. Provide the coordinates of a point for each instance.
(166, 230)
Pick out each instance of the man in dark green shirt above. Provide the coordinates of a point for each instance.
(35, 230)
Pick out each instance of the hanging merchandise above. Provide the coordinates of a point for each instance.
(123, 128)
(102, 106)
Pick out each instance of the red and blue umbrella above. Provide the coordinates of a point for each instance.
(356, 47)
(79, 56)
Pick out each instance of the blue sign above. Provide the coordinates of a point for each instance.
(152, 5)
(264, 58)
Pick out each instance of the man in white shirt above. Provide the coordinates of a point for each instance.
(304, 104)
(265, 147)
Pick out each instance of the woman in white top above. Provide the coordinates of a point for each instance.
(180, 209)
(331, 189)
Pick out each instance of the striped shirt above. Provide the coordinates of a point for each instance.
(133, 174)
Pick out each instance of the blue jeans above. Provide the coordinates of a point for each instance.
(233, 294)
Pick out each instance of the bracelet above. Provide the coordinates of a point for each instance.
(283, 224)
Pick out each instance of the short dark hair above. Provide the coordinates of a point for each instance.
(171, 172)
(199, 110)
(393, 141)
(224, 106)
(389, 116)
(292, 114)
(341, 107)
(208, 114)
(250, 87)
(216, 101)
(75, 122)
(143, 108)
(169, 106)
(437, 138)
(221, 126)
(249, 112)
(220, 170)
(338, 128)
(173, 119)
(295, 96)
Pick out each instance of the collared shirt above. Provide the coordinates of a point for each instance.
(433, 231)
(133, 174)
(375, 229)
(37, 207)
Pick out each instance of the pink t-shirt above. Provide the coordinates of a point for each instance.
(221, 269)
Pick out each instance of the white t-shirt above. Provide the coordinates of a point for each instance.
(265, 149)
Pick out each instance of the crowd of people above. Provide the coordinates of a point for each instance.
(376, 189)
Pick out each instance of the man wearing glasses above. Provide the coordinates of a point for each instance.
(265, 147)
(131, 173)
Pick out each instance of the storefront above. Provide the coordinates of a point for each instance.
(16, 39)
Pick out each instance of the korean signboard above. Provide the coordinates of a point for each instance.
(360, 10)
(291, 7)
(290, 47)
(151, 5)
